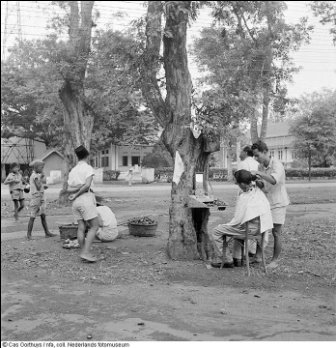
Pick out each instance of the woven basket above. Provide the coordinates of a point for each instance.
(140, 230)
(68, 231)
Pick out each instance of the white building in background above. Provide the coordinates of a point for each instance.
(120, 157)
(278, 140)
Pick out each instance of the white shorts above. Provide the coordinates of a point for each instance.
(84, 207)
(107, 234)
(279, 215)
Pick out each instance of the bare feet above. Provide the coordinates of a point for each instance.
(255, 260)
(274, 264)
(88, 258)
(49, 234)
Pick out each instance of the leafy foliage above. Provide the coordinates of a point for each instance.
(315, 128)
(29, 86)
(247, 56)
(326, 11)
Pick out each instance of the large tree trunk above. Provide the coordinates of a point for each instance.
(174, 114)
(265, 111)
(309, 163)
(254, 126)
(78, 117)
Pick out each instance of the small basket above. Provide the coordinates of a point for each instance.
(68, 231)
(141, 230)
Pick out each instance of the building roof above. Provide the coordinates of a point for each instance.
(279, 129)
(49, 152)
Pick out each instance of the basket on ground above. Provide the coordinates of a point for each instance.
(142, 227)
(68, 231)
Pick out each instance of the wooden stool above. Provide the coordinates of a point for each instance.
(246, 249)
(245, 240)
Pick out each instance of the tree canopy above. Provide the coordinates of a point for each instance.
(314, 129)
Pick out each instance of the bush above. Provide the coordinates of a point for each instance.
(110, 175)
(315, 172)
(164, 174)
(215, 174)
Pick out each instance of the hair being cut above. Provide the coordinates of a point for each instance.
(244, 177)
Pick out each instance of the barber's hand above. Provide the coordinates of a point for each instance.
(72, 197)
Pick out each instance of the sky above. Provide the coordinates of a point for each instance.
(318, 59)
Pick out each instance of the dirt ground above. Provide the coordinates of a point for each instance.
(135, 293)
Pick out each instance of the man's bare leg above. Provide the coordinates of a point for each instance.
(81, 233)
(85, 253)
(276, 231)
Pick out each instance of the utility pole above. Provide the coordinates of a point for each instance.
(5, 36)
(18, 20)
(15, 28)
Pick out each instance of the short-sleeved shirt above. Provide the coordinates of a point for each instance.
(106, 214)
(14, 180)
(33, 189)
(249, 163)
(80, 173)
(109, 230)
(276, 194)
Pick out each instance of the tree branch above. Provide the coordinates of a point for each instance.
(150, 65)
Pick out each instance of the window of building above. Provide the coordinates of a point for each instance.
(105, 162)
(135, 160)
(272, 153)
(125, 161)
(280, 153)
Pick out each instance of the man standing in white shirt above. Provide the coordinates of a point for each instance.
(272, 172)
(247, 161)
(83, 200)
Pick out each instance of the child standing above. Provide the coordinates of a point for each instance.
(37, 202)
(14, 180)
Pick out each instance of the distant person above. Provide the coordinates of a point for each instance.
(37, 202)
(108, 230)
(15, 182)
(83, 200)
(247, 161)
(272, 172)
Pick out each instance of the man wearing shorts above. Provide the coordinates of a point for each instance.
(83, 202)
(273, 174)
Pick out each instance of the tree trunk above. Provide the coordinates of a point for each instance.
(78, 117)
(254, 126)
(174, 114)
(265, 110)
(309, 164)
(267, 74)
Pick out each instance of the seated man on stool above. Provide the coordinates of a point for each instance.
(253, 207)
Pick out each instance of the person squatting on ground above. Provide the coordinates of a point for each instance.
(37, 202)
(108, 230)
(84, 207)
(15, 182)
(272, 172)
(252, 206)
